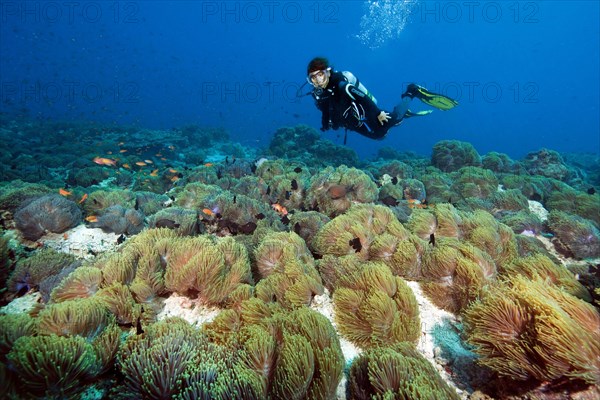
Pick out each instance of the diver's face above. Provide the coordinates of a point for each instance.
(319, 79)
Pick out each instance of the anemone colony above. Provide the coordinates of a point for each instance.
(259, 240)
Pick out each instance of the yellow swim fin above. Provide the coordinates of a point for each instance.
(438, 101)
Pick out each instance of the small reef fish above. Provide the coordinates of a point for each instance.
(83, 198)
(91, 218)
(105, 161)
(356, 245)
(127, 166)
(141, 164)
(173, 171)
(279, 209)
(208, 212)
(154, 173)
(208, 164)
(167, 223)
(412, 203)
(123, 151)
(174, 178)
(149, 161)
(64, 192)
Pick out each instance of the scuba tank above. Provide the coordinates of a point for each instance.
(353, 80)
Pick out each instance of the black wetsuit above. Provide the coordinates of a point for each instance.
(344, 105)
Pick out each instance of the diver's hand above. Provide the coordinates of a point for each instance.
(383, 117)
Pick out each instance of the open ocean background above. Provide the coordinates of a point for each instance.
(525, 73)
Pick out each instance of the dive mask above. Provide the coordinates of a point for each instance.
(318, 78)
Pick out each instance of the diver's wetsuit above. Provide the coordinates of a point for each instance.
(344, 105)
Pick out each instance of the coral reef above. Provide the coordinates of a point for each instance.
(451, 155)
(271, 245)
(396, 372)
(303, 143)
(49, 213)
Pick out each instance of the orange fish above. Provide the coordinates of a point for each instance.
(123, 151)
(208, 164)
(127, 166)
(91, 218)
(281, 210)
(173, 171)
(65, 236)
(64, 192)
(208, 212)
(140, 164)
(174, 179)
(154, 173)
(104, 161)
(85, 196)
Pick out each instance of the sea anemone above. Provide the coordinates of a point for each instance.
(50, 213)
(575, 236)
(333, 190)
(529, 330)
(451, 155)
(396, 371)
(374, 308)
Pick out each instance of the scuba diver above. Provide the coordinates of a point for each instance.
(345, 102)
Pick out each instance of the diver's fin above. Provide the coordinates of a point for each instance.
(409, 113)
(438, 101)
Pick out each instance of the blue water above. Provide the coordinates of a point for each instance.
(525, 73)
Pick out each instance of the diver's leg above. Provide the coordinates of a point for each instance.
(400, 111)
